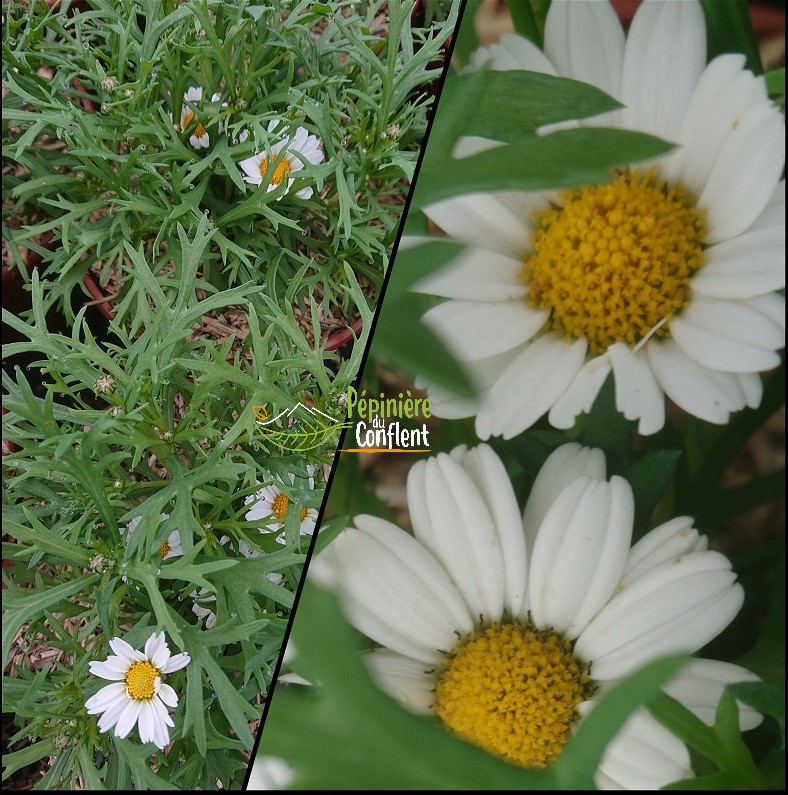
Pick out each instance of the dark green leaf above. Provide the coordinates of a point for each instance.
(728, 29)
(513, 104)
(562, 159)
(529, 18)
(606, 428)
(767, 697)
(466, 39)
(649, 477)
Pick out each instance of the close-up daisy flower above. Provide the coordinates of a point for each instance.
(171, 546)
(137, 695)
(508, 626)
(270, 505)
(285, 157)
(666, 276)
(199, 139)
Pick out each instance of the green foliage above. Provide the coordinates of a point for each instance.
(126, 175)
(122, 438)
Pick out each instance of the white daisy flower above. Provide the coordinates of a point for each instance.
(666, 276)
(170, 548)
(271, 502)
(137, 695)
(199, 139)
(202, 598)
(205, 600)
(294, 149)
(557, 594)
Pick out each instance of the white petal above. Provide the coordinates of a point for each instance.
(251, 167)
(530, 385)
(569, 30)
(403, 678)
(512, 52)
(492, 481)
(477, 330)
(483, 373)
(400, 586)
(774, 212)
(193, 94)
(752, 387)
(112, 713)
(664, 58)
(638, 397)
(699, 687)
(450, 518)
(644, 755)
(146, 722)
(746, 173)
(479, 219)
(105, 698)
(270, 773)
(156, 650)
(579, 554)
(581, 393)
(727, 336)
(176, 662)
(446, 404)
(168, 695)
(123, 649)
(706, 394)
(127, 719)
(747, 266)
(772, 306)
(670, 540)
(676, 607)
(562, 467)
(723, 94)
(161, 722)
(106, 670)
(476, 275)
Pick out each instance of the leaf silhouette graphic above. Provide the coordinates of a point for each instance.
(305, 436)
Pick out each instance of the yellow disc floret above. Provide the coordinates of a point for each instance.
(304, 513)
(141, 680)
(199, 131)
(279, 506)
(165, 549)
(614, 261)
(513, 690)
(281, 171)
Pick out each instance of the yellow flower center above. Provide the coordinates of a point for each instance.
(165, 549)
(304, 513)
(188, 115)
(615, 260)
(199, 131)
(281, 171)
(141, 679)
(279, 506)
(513, 690)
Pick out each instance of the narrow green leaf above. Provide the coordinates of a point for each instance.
(649, 477)
(514, 103)
(606, 428)
(563, 159)
(529, 18)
